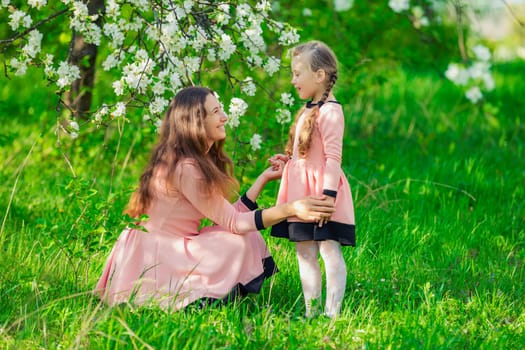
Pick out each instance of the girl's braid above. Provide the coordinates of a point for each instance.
(305, 137)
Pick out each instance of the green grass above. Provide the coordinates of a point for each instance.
(439, 191)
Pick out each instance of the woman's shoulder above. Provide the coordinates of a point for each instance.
(187, 164)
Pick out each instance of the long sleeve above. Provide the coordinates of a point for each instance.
(211, 205)
(331, 126)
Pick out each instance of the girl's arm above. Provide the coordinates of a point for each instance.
(331, 126)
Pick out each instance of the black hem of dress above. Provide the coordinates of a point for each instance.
(240, 290)
(304, 231)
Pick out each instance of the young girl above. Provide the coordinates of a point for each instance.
(313, 167)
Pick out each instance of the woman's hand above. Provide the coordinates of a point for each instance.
(275, 171)
(272, 174)
(312, 208)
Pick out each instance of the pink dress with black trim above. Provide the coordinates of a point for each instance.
(174, 263)
(317, 173)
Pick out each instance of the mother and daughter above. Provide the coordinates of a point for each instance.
(189, 177)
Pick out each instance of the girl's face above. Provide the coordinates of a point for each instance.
(215, 120)
(309, 84)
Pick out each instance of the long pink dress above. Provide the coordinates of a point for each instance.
(174, 264)
(317, 173)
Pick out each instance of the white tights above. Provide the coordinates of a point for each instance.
(310, 272)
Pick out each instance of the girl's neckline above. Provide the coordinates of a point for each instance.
(310, 104)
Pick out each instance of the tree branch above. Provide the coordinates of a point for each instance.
(513, 14)
(28, 30)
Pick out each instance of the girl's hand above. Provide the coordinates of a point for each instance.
(314, 208)
(277, 159)
(326, 217)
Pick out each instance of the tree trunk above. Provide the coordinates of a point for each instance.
(84, 56)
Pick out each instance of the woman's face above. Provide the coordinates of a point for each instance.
(215, 120)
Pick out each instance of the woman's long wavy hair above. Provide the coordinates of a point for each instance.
(183, 135)
(320, 56)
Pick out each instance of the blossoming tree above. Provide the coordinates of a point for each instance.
(138, 53)
(149, 49)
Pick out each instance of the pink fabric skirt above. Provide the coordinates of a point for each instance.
(173, 271)
(303, 178)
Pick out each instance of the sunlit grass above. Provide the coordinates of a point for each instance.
(439, 262)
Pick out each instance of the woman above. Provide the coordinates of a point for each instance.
(188, 178)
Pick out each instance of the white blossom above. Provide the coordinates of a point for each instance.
(211, 55)
(255, 142)
(227, 47)
(80, 10)
(237, 109)
(287, 99)
(264, 6)
(37, 3)
(175, 81)
(399, 5)
(48, 65)
(19, 66)
(457, 74)
(478, 69)
(481, 52)
(419, 18)
(248, 87)
(141, 4)
(158, 105)
(191, 64)
(289, 37)
(307, 12)
(343, 5)
(253, 40)
(158, 88)
(92, 34)
(74, 125)
(112, 9)
(223, 16)
(474, 94)
(103, 111)
(5, 3)
(73, 135)
(19, 19)
(283, 116)
(33, 44)
(119, 110)
(113, 31)
(67, 74)
(110, 62)
(136, 74)
(118, 87)
(272, 65)
(255, 60)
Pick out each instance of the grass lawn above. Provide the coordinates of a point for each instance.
(439, 190)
